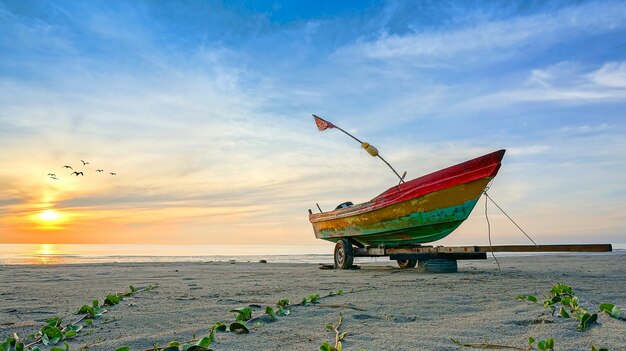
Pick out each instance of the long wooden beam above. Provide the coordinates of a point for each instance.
(382, 251)
(548, 248)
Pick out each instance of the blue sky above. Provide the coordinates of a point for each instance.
(204, 109)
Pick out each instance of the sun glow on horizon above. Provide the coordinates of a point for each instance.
(49, 215)
(49, 219)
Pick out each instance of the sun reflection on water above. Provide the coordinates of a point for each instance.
(45, 254)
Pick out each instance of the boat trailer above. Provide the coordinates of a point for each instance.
(443, 259)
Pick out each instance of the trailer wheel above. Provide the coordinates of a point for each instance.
(406, 263)
(344, 256)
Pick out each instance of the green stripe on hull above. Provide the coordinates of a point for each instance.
(416, 228)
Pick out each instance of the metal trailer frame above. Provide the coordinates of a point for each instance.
(444, 258)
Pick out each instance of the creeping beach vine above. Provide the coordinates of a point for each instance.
(562, 302)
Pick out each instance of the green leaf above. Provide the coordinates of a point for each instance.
(132, 289)
(270, 312)
(112, 300)
(95, 303)
(586, 320)
(283, 311)
(313, 298)
(171, 348)
(173, 343)
(57, 349)
(611, 309)
(219, 326)
(243, 314)
(51, 332)
(54, 321)
(69, 334)
(563, 313)
(73, 327)
(238, 328)
(531, 298)
(87, 309)
(615, 312)
(531, 341)
(36, 348)
(197, 348)
(8, 343)
(204, 342)
(325, 346)
(330, 327)
(89, 321)
(19, 346)
(541, 345)
(342, 335)
(282, 303)
(340, 292)
(550, 344)
(123, 348)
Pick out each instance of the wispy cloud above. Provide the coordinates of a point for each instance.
(489, 36)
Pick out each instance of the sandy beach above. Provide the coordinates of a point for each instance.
(384, 308)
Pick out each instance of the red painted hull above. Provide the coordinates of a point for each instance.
(421, 210)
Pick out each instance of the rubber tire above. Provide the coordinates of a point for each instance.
(344, 255)
(404, 264)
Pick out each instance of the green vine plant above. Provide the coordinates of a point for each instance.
(243, 319)
(339, 336)
(562, 302)
(562, 298)
(541, 345)
(54, 331)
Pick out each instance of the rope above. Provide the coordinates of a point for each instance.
(489, 233)
(509, 217)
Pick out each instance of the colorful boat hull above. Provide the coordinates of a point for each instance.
(419, 211)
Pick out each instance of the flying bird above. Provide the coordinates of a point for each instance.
(51, 175)
(54, 177)
(66, 166)
(99, 170)
(84, 162)
(77, 173)
(113, 173)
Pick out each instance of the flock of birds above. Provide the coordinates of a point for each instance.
(77, 173)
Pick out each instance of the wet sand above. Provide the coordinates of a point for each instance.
(384, 308)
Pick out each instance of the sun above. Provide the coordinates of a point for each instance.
(49, 216)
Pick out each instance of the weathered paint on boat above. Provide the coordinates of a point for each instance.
(422, 210)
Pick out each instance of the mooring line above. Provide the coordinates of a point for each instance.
(509, 217)
(489, 234)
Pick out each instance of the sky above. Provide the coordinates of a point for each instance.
(203, 111)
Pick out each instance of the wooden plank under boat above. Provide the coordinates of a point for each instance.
(418, 211)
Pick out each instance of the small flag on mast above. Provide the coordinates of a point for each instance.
(322, 124)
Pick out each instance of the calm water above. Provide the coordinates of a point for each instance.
(74, 253)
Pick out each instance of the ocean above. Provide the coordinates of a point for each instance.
(42, 254)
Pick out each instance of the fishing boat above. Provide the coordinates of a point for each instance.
(413, 212)
(418, 211)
